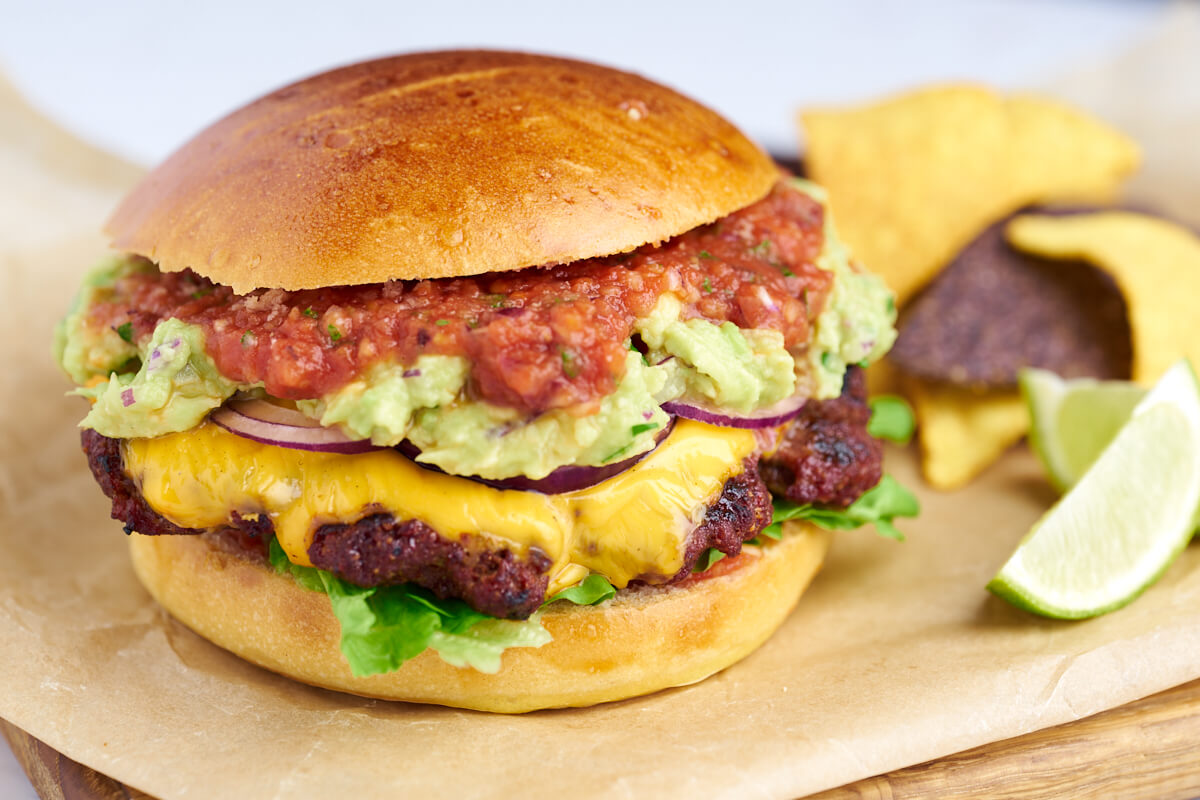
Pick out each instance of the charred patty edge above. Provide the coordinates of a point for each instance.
(825, 456)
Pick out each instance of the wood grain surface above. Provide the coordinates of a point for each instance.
(56, 777)
(1146, 749)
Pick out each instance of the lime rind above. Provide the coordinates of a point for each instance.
(1123, 523)
(1036, 604)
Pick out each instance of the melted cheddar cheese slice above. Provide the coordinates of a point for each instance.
(633, 524)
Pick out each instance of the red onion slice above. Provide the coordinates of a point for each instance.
(769, 417)
(562, 480)
(265, 422)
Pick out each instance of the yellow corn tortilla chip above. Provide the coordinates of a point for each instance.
(1155, 263)
(883, 378)
(962, 432)
(913, 179)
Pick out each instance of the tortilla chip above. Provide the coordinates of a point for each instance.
(884, 378)
(962, 432)
(1155, 263)
(994, 310)
(915, 178)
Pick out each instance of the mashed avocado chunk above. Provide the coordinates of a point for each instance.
(84, 351)
(857, 325)
(163, 384)
(176, 386)
(730, 368)
(475, 438)
(380, 405)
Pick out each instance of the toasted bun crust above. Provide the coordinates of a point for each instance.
(641, 641)
(436, 165)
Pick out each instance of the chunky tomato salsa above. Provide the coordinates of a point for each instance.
(537, 339)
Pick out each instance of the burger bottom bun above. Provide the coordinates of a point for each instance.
(645, 639)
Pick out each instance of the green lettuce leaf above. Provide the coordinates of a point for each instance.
(593, 589)
(891, 419)
(711, 556)
(383, 627)
(878, 506)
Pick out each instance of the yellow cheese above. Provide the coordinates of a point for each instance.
(632, 525)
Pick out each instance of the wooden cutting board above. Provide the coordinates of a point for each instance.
(1145, 749)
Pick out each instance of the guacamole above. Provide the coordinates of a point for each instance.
(381, 405)
(857, 325)
(173, 390)
(719, 365)
(85, 351)
(476, 438)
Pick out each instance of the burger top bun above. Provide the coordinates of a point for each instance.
(436, 165)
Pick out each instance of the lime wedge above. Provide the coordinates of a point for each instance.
(1073, 421)
(1124, 521)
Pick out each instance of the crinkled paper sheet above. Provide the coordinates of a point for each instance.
(896, 655)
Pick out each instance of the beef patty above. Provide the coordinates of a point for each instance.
(825, 457)
(381, 550)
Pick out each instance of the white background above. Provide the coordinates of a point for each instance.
(139, 78)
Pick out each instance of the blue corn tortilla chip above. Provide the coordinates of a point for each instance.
(993, 310)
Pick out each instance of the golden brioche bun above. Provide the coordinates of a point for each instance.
(643, 640)
(436, 165)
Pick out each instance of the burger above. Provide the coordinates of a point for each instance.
(467, 378)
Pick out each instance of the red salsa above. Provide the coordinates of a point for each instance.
(537, 339)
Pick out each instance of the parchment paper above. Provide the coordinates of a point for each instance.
(895, 656)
